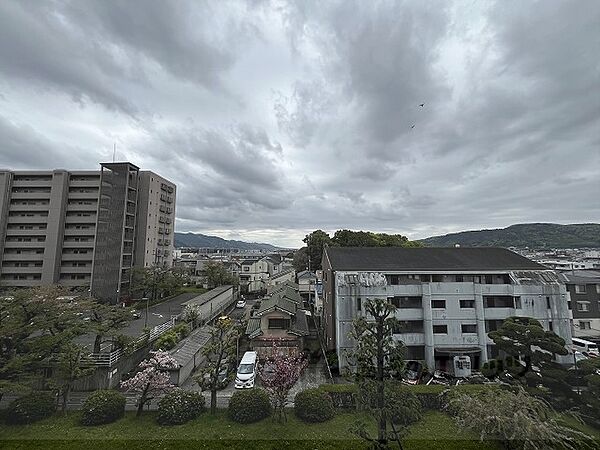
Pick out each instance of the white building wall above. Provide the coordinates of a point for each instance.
(532, 301)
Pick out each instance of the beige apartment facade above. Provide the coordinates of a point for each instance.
(79, 228)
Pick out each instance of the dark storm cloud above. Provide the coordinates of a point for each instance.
(277, 117)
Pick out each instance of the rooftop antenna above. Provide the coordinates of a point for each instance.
(114, 151)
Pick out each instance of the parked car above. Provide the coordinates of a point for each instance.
(246, 372)
(240, 304)
(136, 314)
(588, 348)
(226, 375)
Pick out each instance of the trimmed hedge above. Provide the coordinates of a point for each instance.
(30, 408)
(313, 405)
(343, 396)
(249, 406)
(105, 406)
(179, 407)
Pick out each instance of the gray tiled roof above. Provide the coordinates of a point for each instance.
(277, 301)
(398, 258)
(253, 327)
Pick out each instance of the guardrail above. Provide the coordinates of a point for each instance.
(109, 359)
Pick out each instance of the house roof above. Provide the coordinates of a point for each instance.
(283, 286)
(582, 276)
(427, 258)
(300, 325)
(277, 301)
(306, 274)
(253, 327)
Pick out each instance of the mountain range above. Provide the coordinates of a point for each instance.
(197, 240)
(532, 235)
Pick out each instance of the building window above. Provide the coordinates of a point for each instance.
(548, 303)
(279, 324)
(517, 301)
(415, 352)
(440, 329)
(408, 326)
(438, 304)
(406, 302)
(466, 304)
(492, 325)
(585, 325)
(580, 288)
(459, 278)
(498, 302)
(394, 280)
(550, 327)
(358, 304)
(468, 328)
(246, 269)
(583, 306)
(598, 288)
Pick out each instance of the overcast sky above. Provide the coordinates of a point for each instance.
(276, 118)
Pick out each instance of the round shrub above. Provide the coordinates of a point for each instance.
(167, 341)
(102, 407)
(404, 406)
(30, 408)
(249, 406)
(313, 405)
(180, 406)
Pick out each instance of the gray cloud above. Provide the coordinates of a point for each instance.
(278, 117)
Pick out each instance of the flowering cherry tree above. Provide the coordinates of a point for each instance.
(152, 379)
(278, 374)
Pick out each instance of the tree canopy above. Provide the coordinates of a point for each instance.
(318, 239)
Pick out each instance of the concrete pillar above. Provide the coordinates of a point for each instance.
(480, 316)
(428, 327)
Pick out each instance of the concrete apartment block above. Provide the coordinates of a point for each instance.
(447, 299)
(80, 228)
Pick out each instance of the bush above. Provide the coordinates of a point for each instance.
(30, 408)
(404, 406)
(342, 395)
(166, 341)
(313, 405)
(249, 406)
(182, 330)
(102, 407)
(179, 407)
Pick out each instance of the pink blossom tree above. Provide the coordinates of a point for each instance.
(152, 379)
(278, 375)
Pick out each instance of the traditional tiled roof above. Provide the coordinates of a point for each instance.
(279, 302)
(253, 327)
(300, 325)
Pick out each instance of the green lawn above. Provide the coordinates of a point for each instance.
(435, 431)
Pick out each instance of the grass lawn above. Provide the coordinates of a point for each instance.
(435, 431)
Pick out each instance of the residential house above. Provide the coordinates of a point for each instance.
(280, 321)
(584, 301)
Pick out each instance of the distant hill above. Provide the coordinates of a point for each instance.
(532, 235)
(198, 240)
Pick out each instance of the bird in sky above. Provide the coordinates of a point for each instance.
(422, 104)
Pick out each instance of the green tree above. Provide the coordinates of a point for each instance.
(525, 338)
(376, 357)
(106, 321)
(217, 275)
(315, 242)
(70, 365)
(517, 419)
(157, 281)
(348, 238)
(300, 261)
(218, 351)
(35, 325)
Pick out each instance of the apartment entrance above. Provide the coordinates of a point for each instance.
(444, 358)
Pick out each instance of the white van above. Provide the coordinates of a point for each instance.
(586, 347)
(246, 373)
